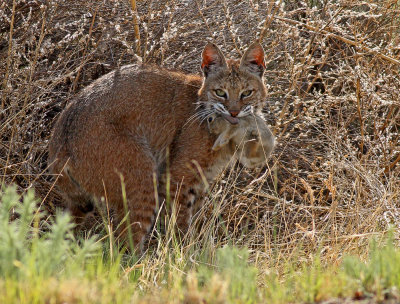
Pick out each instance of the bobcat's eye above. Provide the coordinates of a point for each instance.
(220, 93)
(246, 93)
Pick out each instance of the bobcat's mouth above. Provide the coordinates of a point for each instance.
(231, 119)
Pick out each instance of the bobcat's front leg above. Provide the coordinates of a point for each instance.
(185, 209)
(181, 200)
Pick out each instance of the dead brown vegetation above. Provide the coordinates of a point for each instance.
(334, 104)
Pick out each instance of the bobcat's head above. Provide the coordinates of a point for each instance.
(232, 88)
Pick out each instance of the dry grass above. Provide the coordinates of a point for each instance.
(334, 105)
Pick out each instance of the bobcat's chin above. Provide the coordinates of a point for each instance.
(232, 120)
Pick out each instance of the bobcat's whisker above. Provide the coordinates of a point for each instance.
(198, 115)
(206, 117)
(203, 116)
(201, 103)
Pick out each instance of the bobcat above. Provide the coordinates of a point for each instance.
(250, 128)
(142, 122)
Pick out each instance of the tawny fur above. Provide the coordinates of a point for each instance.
(128, 121)
(251, 134)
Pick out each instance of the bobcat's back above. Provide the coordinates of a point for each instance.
(145, 103)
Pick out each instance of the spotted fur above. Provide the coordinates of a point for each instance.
(140, 128)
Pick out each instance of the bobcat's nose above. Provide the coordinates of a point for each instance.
(234, 113)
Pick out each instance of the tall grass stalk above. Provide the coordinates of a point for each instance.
(43, 262)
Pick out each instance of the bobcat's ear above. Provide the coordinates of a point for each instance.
(213, 59)
(253, 59)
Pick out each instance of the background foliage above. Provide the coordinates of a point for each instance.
(333, 104)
